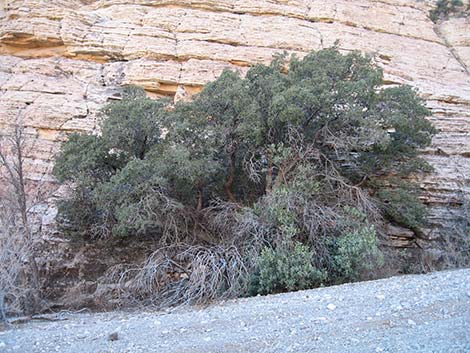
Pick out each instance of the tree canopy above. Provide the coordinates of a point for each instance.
(290, 156)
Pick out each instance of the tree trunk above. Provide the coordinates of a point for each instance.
(199, 200)
(14, 173)
(269, 178)
(23, 209)
(230, 180)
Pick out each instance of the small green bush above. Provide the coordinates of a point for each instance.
(402, 206)
(286, 268)
(357, 255)
(444, 8)
(354, 253)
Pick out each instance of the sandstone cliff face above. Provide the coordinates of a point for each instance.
(61, 60)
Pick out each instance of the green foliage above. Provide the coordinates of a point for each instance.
(131, 196)
(289, 167)
(86, 156)
(401, 205)
(352, 254)
(444, 8)
(78, 213)
(116, 187)
(356, 252)
(134, 124)
(286, 268)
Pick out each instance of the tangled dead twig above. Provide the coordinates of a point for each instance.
(182, 274)
(19, 196)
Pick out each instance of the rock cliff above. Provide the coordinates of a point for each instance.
(61, 60)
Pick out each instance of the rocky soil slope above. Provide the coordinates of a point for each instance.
(426, 313)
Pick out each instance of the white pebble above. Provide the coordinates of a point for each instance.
(331, 307)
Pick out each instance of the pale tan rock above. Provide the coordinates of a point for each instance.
(456, 32)
(181, 95)
(34, 23)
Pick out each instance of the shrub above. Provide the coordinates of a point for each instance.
(287, 268)
(444, 8)
(402, 206)
(270, 165)
(357, 255)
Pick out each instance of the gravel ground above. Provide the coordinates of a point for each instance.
(416, 313)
